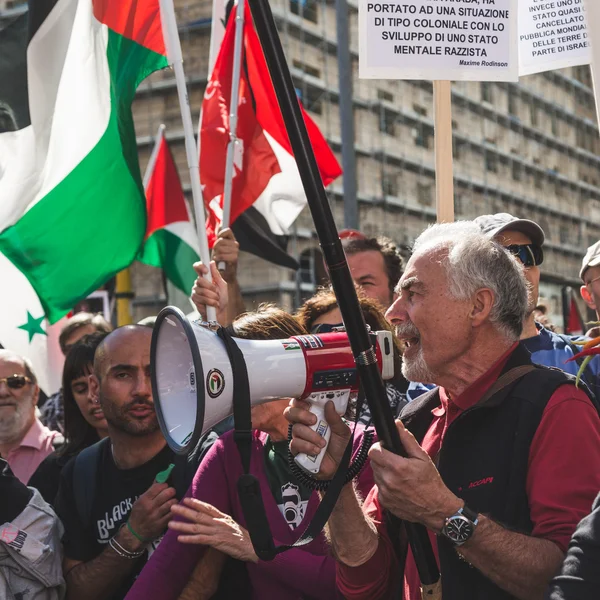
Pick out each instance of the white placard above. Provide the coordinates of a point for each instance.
(461, 40)
(552, 35)
(593, 16)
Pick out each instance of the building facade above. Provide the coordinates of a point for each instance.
(531, 149)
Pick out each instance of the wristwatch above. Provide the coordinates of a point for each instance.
(460, 526)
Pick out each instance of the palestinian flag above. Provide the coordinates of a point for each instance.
(72, 209)
(171, 240)
(267, 192)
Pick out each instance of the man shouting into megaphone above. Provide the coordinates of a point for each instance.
(503, 458)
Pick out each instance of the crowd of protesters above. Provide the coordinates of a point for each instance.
(502, 443)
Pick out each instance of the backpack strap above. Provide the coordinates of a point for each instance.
(85, 472)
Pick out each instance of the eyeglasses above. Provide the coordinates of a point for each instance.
(592, 280)
(16, 382)
(531, 255)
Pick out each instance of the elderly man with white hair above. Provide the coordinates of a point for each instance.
(24, 441)
(503, 457)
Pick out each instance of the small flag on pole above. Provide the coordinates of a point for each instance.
(171, 241)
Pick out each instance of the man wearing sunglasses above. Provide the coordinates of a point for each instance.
(525, 239)
(24, 441)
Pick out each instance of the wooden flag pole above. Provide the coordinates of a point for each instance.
(123, 295)
(444, 173)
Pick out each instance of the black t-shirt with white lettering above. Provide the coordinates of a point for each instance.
(116, 491)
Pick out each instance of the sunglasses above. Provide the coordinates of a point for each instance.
(16, 382)
(325, 327)
(531, 255)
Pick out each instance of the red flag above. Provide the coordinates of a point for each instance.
(575, 322)
(265, 174)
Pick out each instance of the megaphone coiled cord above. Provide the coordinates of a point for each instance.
(321, 485)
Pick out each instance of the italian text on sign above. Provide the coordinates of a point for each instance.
(553, 34)
(468, 40)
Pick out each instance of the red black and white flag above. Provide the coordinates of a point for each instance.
(267, 193)
(573, 321)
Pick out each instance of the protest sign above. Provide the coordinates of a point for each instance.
(553, 34)
(593, 16)
(469, 40)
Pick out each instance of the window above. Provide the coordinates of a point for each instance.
(555, 130)
(312, 71)
(491, 162)
(457, 148)
(389, 184)
(312, 268)
(385, 96)
(517, 171)
(533, 113)
(424, 193)
(583, 74)
(459, 204)
(422, 134)
(538, 180)
(420, 110)
(312, 100)
(307, 9)
(387, 122)
(487, 92)
(564, 234)
(512, 102)
(558, 188)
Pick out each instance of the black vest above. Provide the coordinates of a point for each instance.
(484, 460)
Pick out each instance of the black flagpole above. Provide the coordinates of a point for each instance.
(339, 272)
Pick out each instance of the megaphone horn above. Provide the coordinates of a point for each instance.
(192, 379)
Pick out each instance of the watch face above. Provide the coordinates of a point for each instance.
(459, 529)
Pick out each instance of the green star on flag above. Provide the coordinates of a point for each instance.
(33, 326)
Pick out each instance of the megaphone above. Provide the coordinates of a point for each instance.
(192, 379)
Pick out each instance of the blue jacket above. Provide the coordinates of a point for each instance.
(552, 350)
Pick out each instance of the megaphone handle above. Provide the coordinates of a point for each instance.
(312, 463)
(222, 265)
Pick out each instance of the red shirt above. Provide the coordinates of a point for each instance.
(562, 481)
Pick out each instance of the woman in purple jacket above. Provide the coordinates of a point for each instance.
(211, 514)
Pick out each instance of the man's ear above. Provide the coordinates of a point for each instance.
(36, 395)
(483, 302)
(94, 389)
(587, 297)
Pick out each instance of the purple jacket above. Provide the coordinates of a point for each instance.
(293, 575)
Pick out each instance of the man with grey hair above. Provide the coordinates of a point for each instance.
(24, 441)
(503, 457)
